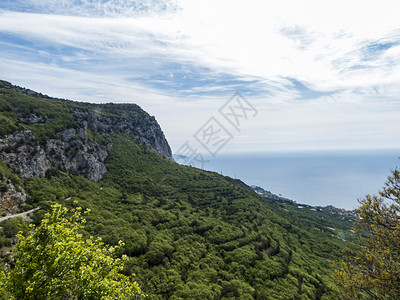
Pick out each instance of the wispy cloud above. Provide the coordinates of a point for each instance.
(187, 57)
(304, 92)
(93, 8)
(301, 37)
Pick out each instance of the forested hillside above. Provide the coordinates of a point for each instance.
(189, 233)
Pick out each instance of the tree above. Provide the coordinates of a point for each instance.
(372, 271)
(12, 226)
(53, 261)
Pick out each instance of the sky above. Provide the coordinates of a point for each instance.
(220, 76)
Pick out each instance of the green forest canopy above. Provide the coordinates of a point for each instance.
(188, 233)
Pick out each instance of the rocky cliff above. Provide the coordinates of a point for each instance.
(33, 152)
(144, 129)
(73, 152)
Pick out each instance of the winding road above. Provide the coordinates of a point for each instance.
(23, 214)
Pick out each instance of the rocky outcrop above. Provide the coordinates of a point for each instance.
(24, 154)
(11, 197)
(142, 128)
(70, 149)
(32, 119)
(73, 152)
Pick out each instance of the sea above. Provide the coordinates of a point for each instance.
(317, 178)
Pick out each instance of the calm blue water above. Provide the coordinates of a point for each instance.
(314, 178)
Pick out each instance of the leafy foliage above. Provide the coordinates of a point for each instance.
(373, 270)
(54, 262)
(11, 227)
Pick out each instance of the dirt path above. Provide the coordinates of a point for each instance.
(23, 215)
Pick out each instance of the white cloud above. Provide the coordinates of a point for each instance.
(95, 8)
(166, 56)
(304, 40)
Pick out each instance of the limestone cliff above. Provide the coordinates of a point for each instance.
(33, 151)
(76, 156)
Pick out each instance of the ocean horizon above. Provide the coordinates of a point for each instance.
(317, 178)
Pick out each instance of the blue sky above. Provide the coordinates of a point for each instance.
(321, 74)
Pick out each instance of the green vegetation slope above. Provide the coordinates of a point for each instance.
(189, 233)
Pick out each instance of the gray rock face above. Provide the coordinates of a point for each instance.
(77, 155)
(146, 130)
(24, 155)
(32, 119)
(69, 153)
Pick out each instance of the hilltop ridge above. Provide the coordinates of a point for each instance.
(40, 133)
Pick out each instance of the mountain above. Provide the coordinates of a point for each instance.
(189, 233)
(40, 134)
